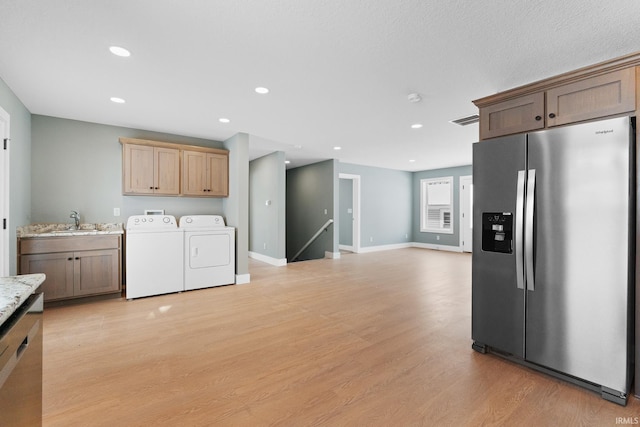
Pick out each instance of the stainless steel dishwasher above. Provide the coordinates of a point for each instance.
(21, 365)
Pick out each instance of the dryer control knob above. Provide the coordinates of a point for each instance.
(189, 220)
(166, 220)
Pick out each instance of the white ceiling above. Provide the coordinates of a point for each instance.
(339, 71)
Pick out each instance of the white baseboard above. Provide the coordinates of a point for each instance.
(347, 248)
(242, 279)
(437, 247)
(332, 255)
(269, 260)
(384, 247)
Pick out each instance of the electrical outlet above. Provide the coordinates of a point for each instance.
(437, 237)
(264, 246)
(116, 211)
(325, 211)
(371, 239)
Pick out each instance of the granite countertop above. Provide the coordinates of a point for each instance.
(58, 230)
(14, 290)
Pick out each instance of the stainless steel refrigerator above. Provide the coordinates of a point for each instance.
(554, 252)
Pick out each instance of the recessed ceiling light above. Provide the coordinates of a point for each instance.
(416, 126)
(262, 90)
(117, 100)
(412, 161)
(337, 148)
(223, 120)
(286, 162)
(119, 51)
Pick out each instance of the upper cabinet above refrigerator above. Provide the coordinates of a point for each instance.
(589, 93)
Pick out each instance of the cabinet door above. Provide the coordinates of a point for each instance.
(138, 169)
(518, 115)
(601, 96)
(194, 173)
(96, 272)
(218, 171)
(58, 267)
(167, 171)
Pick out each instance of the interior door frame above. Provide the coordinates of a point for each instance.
(466, 233)
(4, 193)
(355, 182)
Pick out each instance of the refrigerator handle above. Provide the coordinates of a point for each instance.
(519, 214)
(528, 224)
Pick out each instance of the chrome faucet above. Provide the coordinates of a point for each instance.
(76, 216)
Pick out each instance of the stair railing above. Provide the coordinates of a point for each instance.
(315, 236)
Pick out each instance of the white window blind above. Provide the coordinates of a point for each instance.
(436, 205)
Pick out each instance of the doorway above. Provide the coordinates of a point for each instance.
(349, 212)
(4, 193)
(466, 213)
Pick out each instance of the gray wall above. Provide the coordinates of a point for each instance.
(267, 233)
(311, 190)
(432, 238)
(385, 204)
(19, 169)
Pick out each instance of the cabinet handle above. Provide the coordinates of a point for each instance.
(70, 259)
(538, 118)
(150, 188)
(551, 115)
(77, 257)
(157, 188)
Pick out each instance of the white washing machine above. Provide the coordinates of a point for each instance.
(155, 258)
(209, 251)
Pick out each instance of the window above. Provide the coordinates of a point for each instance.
(436, 205)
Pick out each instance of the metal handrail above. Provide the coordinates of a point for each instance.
(315, 236)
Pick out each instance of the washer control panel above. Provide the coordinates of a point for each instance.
(137, 222)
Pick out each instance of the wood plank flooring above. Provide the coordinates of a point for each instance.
(377, 339)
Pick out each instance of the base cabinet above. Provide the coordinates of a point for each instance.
(77, 273)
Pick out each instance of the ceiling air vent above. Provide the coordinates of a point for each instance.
(463, 121)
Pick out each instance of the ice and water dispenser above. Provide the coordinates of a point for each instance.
(497, 232)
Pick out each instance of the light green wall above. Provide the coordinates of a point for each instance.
(267, 205)
(385, 204)
(236, 206)
(19, 169)
(432, 238)
(78, 166)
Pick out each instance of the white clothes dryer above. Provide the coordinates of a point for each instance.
(209, 251)
(155, 256)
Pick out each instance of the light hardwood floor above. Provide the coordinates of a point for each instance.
(378, 339)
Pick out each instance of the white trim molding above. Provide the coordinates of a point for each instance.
(332, 255)
(437, 247)
(278, 262)
(385, 247)
(242, 279)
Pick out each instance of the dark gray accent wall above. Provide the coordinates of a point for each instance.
(267, 205)
(438, 238)
(311, 191)
(19, 168)
(385, 204)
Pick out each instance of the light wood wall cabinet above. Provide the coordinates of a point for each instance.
(151, 170)
(75, 266)
(167, 169)
(603, 90)
(205, 174)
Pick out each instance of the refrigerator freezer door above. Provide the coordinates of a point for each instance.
(578, 315)
(497, 302)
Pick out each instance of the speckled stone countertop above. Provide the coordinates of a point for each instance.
(58, 230)
(14, 290)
